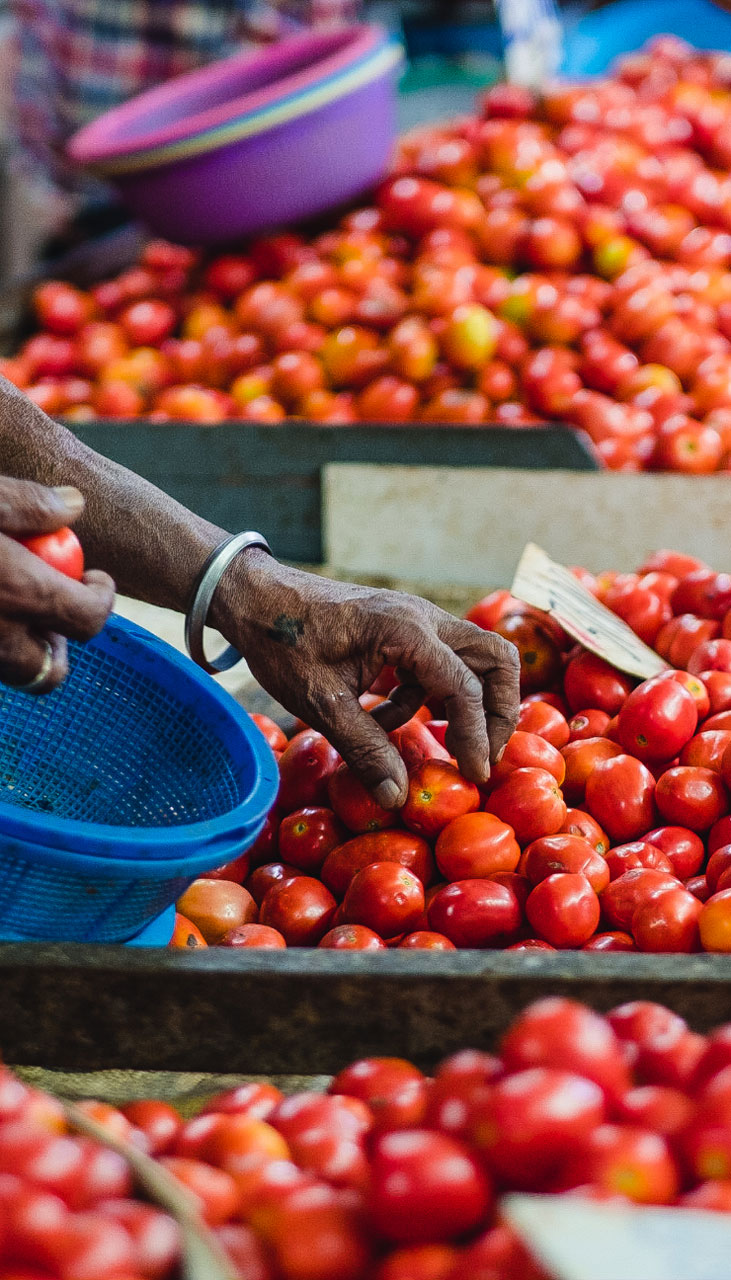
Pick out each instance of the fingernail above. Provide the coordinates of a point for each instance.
(387, 793)
(70, 498)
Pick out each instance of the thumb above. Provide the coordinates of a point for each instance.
(367, 750)
(27, 508)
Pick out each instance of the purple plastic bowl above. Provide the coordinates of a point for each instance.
(318, 115)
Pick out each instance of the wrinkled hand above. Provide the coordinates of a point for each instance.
(38, 605)
(316, 645)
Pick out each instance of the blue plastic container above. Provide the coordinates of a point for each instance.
(592, 44)
(121, 787)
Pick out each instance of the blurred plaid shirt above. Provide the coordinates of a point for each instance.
(75, 59)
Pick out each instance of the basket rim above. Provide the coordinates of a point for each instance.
(61, 835)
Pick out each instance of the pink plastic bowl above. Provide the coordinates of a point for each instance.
(256, 141)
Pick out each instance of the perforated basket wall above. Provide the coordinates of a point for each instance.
(120, 787)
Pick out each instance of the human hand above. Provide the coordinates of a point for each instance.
(316, 645)
(40, 607)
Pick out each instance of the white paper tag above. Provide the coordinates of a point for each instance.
(586, 1240)
(541, 582)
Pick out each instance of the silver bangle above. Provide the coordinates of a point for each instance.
(205, 588)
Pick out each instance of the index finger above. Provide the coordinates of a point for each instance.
(444, 675)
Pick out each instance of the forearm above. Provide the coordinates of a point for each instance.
(151, 545)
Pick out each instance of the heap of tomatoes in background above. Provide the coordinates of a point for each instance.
(606, 824)
(390, 1175)
(559, 258)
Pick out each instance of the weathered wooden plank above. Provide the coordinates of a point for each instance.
(94, 1008)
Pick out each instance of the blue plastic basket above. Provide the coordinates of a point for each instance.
(119, 788)
(599, 37)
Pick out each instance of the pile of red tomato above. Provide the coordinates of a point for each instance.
(564, 258)
(606, 824)
(390, 1175)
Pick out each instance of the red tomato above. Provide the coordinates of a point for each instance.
(715, 922)
(540, 657)
(528, 751)
(89, 1246)
(155, 1235)
(718, 864)
(325, 1135)
(719, 834)
(581, 758)
(462, 1081)
(315, 1233)
(638, 853)
(229, 275)
(591, 682)
(551, 855)
(657, 1107)
(275, 736)
(186, 934)
(564, 910)
(712, 1196)
(307, 836)
(254, 1100)
(691, 797)
(355, 806)
(214, 1190)
(556, 1032)
(61, 550)
(526, 1124)
(386, 897)
(620, 795)
(158, 1121)
(544, 720)
(148, 323)
(615, 940)
(416, 745)
(680, 637)
(696, 686)
(578, 823)
(475, 913)
(668, 924)
(718, 686)
(636, 1163)
(437, 794)
(418, 1262)
(244, 1250)
(395, 1091)
(621, 898)
(530, 801)
(655, 1039)
(706, 749)
(426, 940)
(683, 847)
(304, 769)
(254, 935)
(270, 873)
(61, 308)
(476, 845)
(591, 723)
(658, 718)
(426, 1187)
(400, 847)
(300, 908)
(352, 937)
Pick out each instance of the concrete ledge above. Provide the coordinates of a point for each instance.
(468, 526)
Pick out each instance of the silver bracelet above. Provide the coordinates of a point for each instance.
(205, 588)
